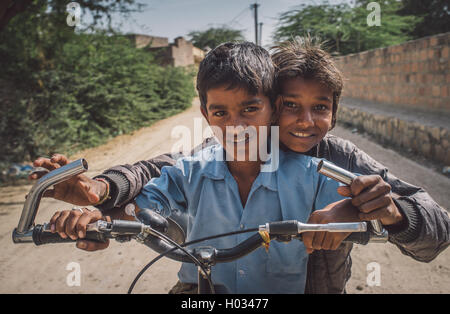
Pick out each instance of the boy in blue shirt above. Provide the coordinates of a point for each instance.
(235, 87)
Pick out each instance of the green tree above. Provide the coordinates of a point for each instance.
(62, 90)
(345, 27)
(435, 16)
(213, 37)
(99, 9)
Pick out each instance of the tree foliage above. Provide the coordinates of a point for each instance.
(435, 16)
(62, 91)
(344, 27)
(99, 9)
(213, 37)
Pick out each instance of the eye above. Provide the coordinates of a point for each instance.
(251, 109)
(219, 113)
(290, 104)
(321, 107)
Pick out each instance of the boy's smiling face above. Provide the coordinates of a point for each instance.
(239, 110)
(306, 108)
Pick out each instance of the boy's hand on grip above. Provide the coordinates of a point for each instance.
(341, 211)
(73, 223)
(78, 190)
(372, 196)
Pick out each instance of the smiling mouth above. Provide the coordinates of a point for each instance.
(302, 134)
(242, 139)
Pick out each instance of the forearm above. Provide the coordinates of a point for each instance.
(428, 230)
(126, 181)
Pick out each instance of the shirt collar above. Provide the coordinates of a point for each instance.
(215, 168)
(214, 164)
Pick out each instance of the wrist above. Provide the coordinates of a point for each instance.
(98, 187)
(399, 217)
(102, 190)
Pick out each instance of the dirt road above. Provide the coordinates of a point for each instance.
(46, 269)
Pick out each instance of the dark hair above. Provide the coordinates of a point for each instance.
(236, 65)
(303, 57)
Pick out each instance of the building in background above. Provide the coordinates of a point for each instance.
(179, 53)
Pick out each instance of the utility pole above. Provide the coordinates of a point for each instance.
(255, 7)
(260, 33)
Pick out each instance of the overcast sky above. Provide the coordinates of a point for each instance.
(173, 18)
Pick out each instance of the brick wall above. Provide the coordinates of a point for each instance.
(415, 74)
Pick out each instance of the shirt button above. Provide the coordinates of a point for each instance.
(241, 272)
(242, 226)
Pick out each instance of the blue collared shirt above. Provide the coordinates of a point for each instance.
(202, 188)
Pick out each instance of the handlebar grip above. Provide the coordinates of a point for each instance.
(286, 227)
(358, 238)
(42, 236)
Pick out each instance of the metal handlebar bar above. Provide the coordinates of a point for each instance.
(123, 230)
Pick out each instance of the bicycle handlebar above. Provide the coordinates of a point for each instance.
(125, 230)
(144, 230)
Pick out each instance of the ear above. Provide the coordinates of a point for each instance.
(204, 113)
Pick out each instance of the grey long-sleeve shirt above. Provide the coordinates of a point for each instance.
(423, 236)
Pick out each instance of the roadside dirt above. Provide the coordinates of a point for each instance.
(30, 269)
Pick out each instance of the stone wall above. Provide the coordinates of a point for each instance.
(432, 142)
(415, 74)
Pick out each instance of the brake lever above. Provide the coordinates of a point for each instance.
(120, 230)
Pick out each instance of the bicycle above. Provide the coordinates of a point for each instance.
(167, 237)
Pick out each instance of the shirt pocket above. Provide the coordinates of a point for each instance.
(287, 258)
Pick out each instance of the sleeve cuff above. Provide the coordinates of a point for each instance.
(410, 229)
(119, 188)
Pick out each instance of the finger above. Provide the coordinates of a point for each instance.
(49, 193)
(91, 245)
(71, 224)
(371, 193)
(307, 239)
(45, 163)
(344, 191)
(363, 182)
(375, 204)
(81, 225)
(318, 240)
(59, 159)
(328, 240)
(85, 219)
(53, 221)
(60, 223)
(375, 215)
(37, 174)
(337, 241)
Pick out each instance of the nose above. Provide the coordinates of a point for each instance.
(238, 123)
(305, 119)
